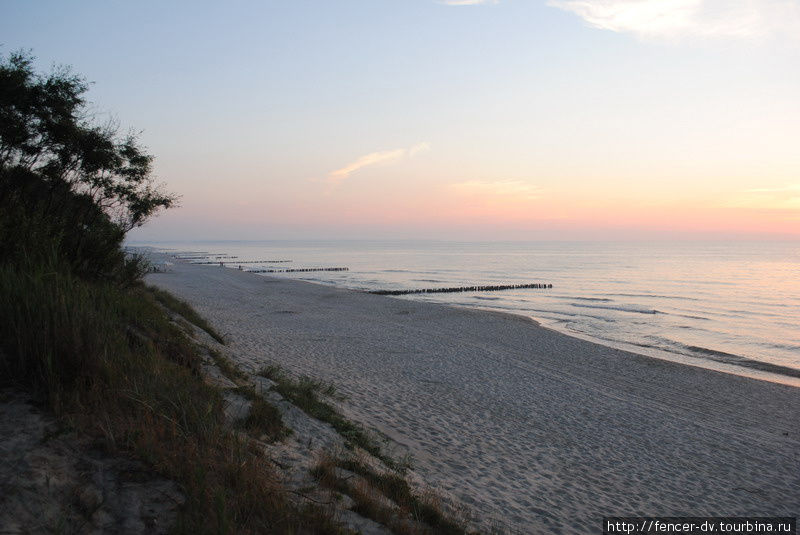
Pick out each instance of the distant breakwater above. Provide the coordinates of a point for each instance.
(537, 286)
(246, 262)
(204, 257)
(297, 270)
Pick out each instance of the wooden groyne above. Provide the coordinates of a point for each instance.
(262, 262)
(244, 261)
(537, 286)
(297, 270)
(204, 257)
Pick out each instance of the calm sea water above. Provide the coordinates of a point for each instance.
(728, 306)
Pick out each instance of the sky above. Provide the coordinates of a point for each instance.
(446, 119)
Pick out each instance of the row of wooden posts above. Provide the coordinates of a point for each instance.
(245, 262)
(538, 286)
(489, 288)
(204, 257)
(297, 270)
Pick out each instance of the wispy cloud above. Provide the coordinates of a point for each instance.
(781, 189)
(782, 198)
(418, 148)
(689, 18)
(467, 2)
(375, 158)
(515, 189)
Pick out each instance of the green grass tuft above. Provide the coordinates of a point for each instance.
(264, 417)
(226, 366)
(272, 372)
(425, 512)
(305, 394)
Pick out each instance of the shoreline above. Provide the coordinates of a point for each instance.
(745, 351)
(661, 354)
(520, 422)
(756, 372)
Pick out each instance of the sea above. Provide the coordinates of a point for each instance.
(728, 306)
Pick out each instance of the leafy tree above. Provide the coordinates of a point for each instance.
(64, 180)
(45, 128)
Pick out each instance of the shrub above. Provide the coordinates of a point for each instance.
(68, 187)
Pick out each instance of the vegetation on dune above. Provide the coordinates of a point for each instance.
(386, 498)
(80, 330)
(305, 393)
(264, 418)
(69, 188)
(115, 358)
(69, 191)
(110, 361)
(181, 307)
(226, 366)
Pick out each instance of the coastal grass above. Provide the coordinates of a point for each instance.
(305, 393)
(305, 383)
(226, 366)
(264, 419)
(181, 307)
(387, 498)
(110, 362)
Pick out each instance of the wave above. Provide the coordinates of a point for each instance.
(557, 314)
(790, 347)
(744, 362)
(621, 308)
(485, 298)
(641, 310)
(723, 357)
(659, 296)
(570, 297)
(691, 317)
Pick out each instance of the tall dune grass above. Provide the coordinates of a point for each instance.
(109, 360)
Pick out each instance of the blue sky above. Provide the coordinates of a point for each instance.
(507, 119)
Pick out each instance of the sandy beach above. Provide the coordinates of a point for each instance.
(533, 430)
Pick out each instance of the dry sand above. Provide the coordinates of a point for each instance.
(54, 479)
(534, 430)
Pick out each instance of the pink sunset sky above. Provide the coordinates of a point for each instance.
(450, 119)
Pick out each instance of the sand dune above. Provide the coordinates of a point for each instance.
(534, 430)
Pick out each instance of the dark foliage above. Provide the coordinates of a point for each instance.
(68, 188)
(101, 351)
